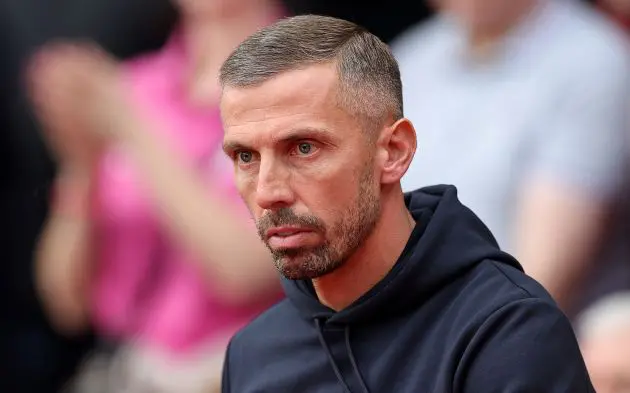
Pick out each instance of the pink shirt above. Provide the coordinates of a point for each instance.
(146, 287)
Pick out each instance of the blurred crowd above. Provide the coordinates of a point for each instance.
(128, 259)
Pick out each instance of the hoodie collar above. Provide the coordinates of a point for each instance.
(447, 242)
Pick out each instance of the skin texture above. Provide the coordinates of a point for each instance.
(322, 189)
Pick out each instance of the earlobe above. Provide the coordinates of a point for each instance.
(400, 147)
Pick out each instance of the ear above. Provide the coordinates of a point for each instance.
(397, 146)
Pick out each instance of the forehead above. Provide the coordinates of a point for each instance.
(303, 98)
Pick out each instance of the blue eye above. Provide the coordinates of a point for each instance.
(305, 148)
(245, 156)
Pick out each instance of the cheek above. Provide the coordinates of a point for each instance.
(327, 193)
(246, 187)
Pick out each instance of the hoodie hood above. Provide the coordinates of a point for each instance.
(448, 240)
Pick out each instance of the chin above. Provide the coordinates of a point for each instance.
(303, 265)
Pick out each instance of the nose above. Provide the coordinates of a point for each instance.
(273, 190)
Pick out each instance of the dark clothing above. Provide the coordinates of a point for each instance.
(455, 314)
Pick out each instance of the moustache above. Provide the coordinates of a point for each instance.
(287, 217)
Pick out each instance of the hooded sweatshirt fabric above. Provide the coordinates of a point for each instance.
(455, 314)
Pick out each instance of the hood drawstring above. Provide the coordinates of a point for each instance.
(322, 340)
(353, 361)
(332, 361)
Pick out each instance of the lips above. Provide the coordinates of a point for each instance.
(289, 237)
(285, 231)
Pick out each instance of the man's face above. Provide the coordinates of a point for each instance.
(608, 361)
(305, 168)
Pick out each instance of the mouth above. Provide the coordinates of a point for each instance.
(289, 237)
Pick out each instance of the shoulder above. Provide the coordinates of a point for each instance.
(263, 341)
(514, 290)
(503, 283)
(266, 331)
(157, 70)
(494, 289)
(142, 66)
(521, 340)
(145, 82)
(276, 314)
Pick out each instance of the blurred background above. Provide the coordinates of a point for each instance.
(522, 104)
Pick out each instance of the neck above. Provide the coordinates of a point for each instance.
(483, 39)
(371, 263)
(209, 40)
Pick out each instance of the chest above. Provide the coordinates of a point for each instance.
(367, 360)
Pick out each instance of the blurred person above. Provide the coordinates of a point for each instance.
(523, 105)
(148, 239)
(604, 333)
(34, 357)
(385, 292)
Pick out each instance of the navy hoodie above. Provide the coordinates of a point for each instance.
(455, 314)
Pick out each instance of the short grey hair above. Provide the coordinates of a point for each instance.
(369, 77)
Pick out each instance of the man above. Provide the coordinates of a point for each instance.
(386, 292)
(604, 332)
(524, 107)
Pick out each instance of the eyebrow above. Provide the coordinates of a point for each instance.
(232, 146)
(293, 135)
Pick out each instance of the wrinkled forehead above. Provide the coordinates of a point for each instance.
(300, 99)
(309, 88)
